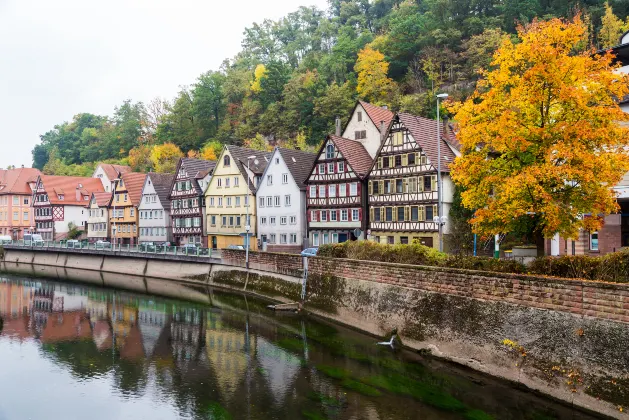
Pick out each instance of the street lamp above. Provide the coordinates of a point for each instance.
(247, 221)
(439, 186)
(115, 232)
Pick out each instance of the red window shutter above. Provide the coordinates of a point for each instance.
(327, 191)
(360, 213)
(309, 213)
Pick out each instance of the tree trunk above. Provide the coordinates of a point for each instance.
(540, 242)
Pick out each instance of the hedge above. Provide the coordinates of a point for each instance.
(612, 267)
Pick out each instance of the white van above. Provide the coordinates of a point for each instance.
(5, 239)
(33, 239)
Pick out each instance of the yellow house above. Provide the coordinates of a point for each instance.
(123, 210)
(231, 189)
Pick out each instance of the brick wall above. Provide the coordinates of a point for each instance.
(580, 297)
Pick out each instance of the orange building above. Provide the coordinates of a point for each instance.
(16, 190)
(123, 210)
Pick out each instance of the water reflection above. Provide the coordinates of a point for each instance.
(88, 352)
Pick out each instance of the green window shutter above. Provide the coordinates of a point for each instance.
(371, 211)
(381, 189)
(420, 184)
(382, 214)
(405, 160)
(435, 210)
(407, 212)
(394, 214)
(391, 161)
(380, 163)
(433, 182)
(370, 187)
(421, 213)
(405, 185)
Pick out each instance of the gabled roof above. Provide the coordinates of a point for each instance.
(377, 114)
(102, 198)
(15, 181)
(299, 164)
(162, 183)
(257, 165)
(133, 183)
(354, 153)
(112, 170)
(424, 131)
(68, 186)
(197, 168)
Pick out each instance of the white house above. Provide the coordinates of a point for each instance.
(366, 126)
(154, 209)
(107, 172)
(281, 201)
(98, 216)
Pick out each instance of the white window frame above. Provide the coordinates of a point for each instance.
(332, 190)
(261, 202)
(355, 215)
(287, 200)
(269, 180)
(277, 201)
(331, 167)
(353, 189)
(344, 214)
(284, 178)
(313, 191)
(342, 190)
(592, 239)
(283, 220)
(340, 166)
(323, 215)
(321, 191)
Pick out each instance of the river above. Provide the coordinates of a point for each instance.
(70, 351)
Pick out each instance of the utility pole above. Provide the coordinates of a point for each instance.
(247, 222)
(440, 217)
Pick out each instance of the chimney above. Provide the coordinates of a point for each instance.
(78, 193)
(22, 166)
(338, 126)
(446, 126)
(383, 132)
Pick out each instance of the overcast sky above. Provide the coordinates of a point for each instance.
(62, 57)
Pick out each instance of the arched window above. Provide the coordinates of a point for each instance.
(226, 160)
(329, 151)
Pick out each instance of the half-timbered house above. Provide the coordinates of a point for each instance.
(187, 200)
(366, 125)
(403, 194)
(336, 194)
(61, 200)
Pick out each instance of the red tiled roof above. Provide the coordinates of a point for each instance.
(102, 198)
(15, 181)
(424, 131)
(112, 170)
(377, 114)
(69, 186)
(355, 153)
(133, 183)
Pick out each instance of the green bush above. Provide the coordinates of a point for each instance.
(1, 253)
(613, 267)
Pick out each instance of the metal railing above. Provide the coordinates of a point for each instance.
(194, 251)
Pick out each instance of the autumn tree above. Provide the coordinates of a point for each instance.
(542, 146)
(165, 157)
(612, 28)
(257, 143)
(140, 158)
(373, 83)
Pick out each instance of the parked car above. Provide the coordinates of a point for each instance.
(103, 244)
(309, 252)
(240, 247)
(147, 246)
(33, 239)
(5, 239)
(189, 249)
(73, 243)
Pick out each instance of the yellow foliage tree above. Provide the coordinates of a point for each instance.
(258, 75)
(373, 83)
(211, 150)
(542, 143)
(612, 28)
(140, 158)
(165, 157)
(258, 143)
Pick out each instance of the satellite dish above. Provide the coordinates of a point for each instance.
(256, 161)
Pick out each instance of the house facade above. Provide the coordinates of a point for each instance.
(187, 200)
(367, 125)
(16, 193)
(154, 209)
(108, 172)
(403, 190)
(337, 194)
(123, 210)
(60, 200)
(98, 216)
(231, 189)
(281, 201)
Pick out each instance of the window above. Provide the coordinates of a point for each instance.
(427, 183)
(231, 220)
(61, 196)
(133, 213)
(16, 200)
(329, 151)
(229, 201)
(261, 202)
(315, 239)
(593, 241)
(277, 201)
(236, 181)
(326, 238)
(213, 220)
(399, 186)
(284, 178)
(342, 190)
(335, 238)
(277, 161)
(400, 214)
(341, 167)
(219, 182)
(414, 214)
(226, 160)
(313, 215)
(272, 238)
(25, 202)
(321, 191)
(429, 213)
(293, 220)
(344, 214)
(412, 185)
(272, 220)
(313, 191)
(321, 168)
(287, 200)
(398, 161)
(25, 216)
(224, 221)
(359, 135)
(353, 189)
(283, 220)
(376, 214)
(237, 201)
(398, 138)
(404, 240)
(263, 220)
(227, 182)
(359, 116)
(269, 201)
(411, 159)
(211, 201)
(269, 180)
(332, 190)
(331, 167)
(333, 216)
(293, 238)
(324, 216)
(388, 214)
(126, 197)
(283, 238)
(391, 240)
(220, 201)
(355, 215)
(375, 187)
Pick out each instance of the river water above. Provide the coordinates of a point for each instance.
(69, 351)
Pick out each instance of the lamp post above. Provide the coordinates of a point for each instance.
(247, 221)
(115, 232)
(439, 187)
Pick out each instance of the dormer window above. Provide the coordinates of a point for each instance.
(329, 151)
(226, 161)
(80, 185)
(60, 196)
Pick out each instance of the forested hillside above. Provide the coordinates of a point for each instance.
(293, 76)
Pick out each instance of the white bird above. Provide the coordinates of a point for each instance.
(387, 343)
